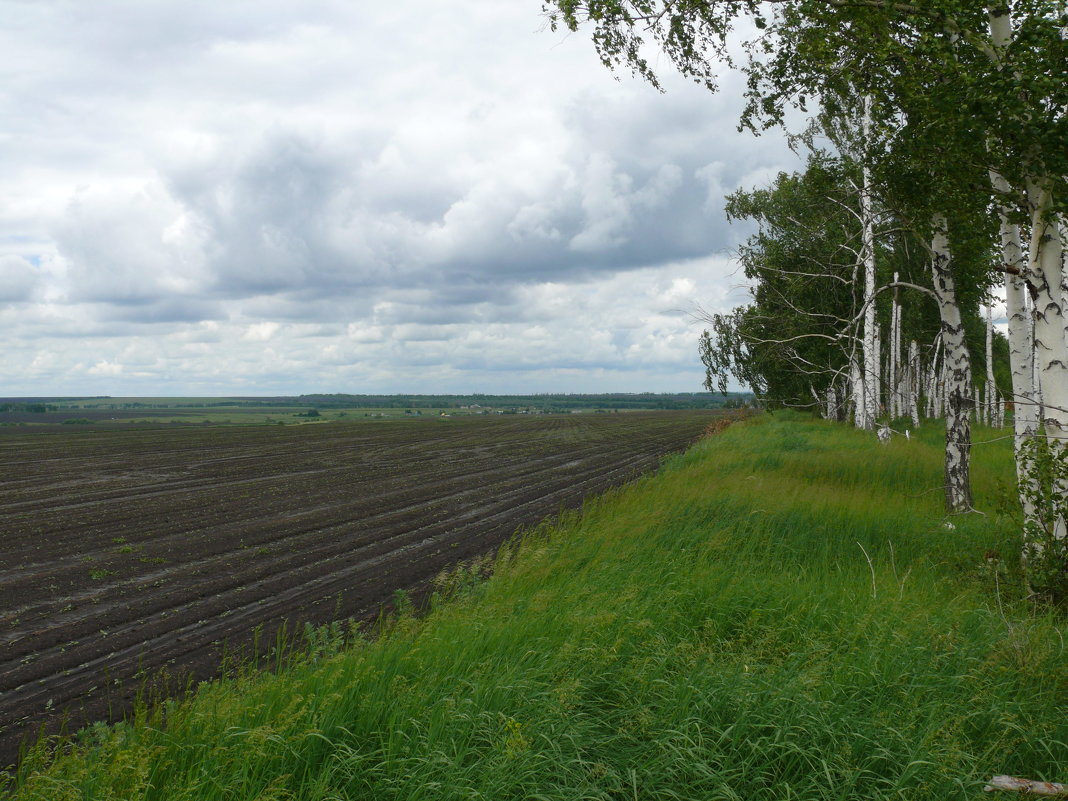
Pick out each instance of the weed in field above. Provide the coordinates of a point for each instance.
(463, 578)
(402, 604)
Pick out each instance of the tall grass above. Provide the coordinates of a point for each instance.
(781, 613)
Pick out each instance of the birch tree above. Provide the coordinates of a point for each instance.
(794, 342)
(800, 339)
(988, 75)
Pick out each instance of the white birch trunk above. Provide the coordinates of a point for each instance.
(943, 383)
(893, 365)
(870, 344)
(933, 375)
(958, 375)
(899, 391)
(990, 399)
(1023, 364)
(1045, 275)
(888, 373)
(1036, 368)
(914, 383)
(877, 373)
(856, 384)
(1045, 272)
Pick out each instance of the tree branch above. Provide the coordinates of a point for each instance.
(1027, 787)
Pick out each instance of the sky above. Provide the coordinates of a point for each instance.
(283, 197)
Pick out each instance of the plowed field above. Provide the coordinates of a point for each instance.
(126, 551)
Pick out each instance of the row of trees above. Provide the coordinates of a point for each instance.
(803, 339)
(943, 115)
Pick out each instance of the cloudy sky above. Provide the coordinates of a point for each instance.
(273, 196)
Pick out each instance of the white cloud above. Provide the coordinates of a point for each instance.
(18, 278)
(260, 332)
(104, 367)
(268, 196)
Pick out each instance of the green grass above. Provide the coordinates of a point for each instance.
(780, 613)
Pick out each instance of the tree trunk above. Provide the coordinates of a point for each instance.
(1045, 271)
(856, 383)
(1021, 361)
(914, 383)
(958, 375)
(991, 390)
(867, 256)
(894, 367)
(933, 374)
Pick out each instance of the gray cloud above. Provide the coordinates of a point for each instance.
(367, 193)
(18, 279)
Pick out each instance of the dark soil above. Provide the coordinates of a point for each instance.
(124, 553)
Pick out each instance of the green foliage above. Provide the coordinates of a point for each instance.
(778, 613)
(801, 326)
(944, 99)
(799, 264)
(1046, 553)
(30, 408)
(691, 34)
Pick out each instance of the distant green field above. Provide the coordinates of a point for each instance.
(216, 411)
(782, 612)
(111, 411)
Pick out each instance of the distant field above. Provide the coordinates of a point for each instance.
(249, 415)
(110, 412)
(128, 549)
(145, 412)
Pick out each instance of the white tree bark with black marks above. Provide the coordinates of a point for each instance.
(1021, 358)
(914, 383)
(933, 377)
(1038, 344)
(870, 342)
(894, 369)
(890, 373)
(958, 379)
(1045, 274)
(991, 393)
(856, 385)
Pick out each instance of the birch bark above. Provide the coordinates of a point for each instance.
(856, 383)
(1021, 358)
(1051, 350)
(957, 373)
(933, 374)
(991, 389)
(1036, 355)
(893, 366)
(914, 383)
(870, 345)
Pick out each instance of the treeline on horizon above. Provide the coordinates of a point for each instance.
(548, 401)
(615, 400)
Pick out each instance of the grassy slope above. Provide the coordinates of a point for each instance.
(715, 632)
